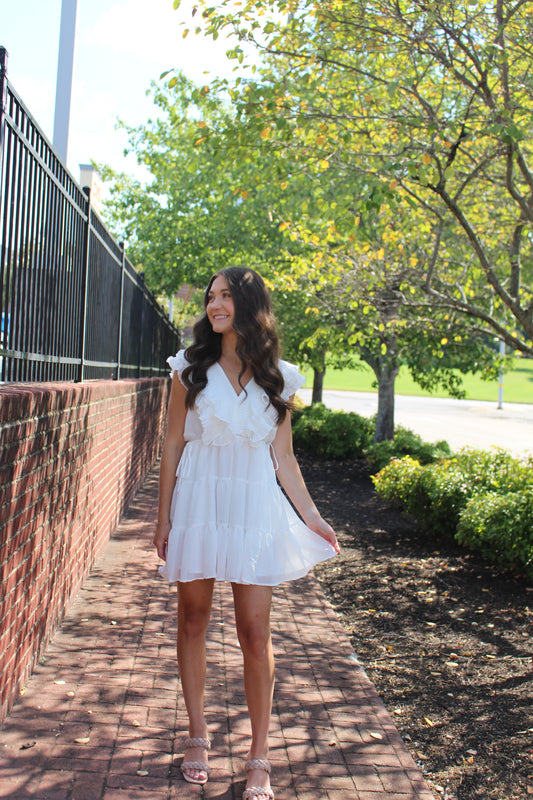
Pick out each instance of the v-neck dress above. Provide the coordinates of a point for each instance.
(230, 519)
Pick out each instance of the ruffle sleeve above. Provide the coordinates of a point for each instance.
(294, 380)
(177, 363)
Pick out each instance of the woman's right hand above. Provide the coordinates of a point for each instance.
(160, 540)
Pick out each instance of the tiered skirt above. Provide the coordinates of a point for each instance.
(232, 522)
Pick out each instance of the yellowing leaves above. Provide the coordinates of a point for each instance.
(323, 164)
(265, 133)
(426, 159)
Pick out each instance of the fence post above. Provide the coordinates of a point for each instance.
(3, 103)
(143, 301)
(121, 309)
(85, 286)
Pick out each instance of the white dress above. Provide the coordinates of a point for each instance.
(230, 519)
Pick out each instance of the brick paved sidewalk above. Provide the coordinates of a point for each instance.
(103, 719)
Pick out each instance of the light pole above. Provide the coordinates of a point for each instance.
(65, 64)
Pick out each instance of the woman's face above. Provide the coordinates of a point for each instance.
(220, 308)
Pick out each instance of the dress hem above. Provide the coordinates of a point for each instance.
(293, 576)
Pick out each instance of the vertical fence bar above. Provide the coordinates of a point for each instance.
(3, 103)
(141, 322)
(120, 309)
(85, 286)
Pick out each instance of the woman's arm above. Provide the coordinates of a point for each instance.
(170, 458)
(292, 481)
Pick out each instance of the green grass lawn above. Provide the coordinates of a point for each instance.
(517, 384)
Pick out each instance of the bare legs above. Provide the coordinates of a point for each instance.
(252, 614)
(194, 611)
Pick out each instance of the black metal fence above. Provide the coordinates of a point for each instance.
(73, 307)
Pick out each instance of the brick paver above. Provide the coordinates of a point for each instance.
(102, 718)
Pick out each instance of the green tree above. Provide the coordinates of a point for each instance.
(206, 208)
(428, 101)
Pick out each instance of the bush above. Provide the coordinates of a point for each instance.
(483, 499)
(494, 470)
(397, 481)
(500, 527)
(331, 434)
(441, 492)
(405, 442)
(434, 494)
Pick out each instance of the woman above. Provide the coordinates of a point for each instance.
(225, 517)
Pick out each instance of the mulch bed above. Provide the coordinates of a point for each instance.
(444, 637)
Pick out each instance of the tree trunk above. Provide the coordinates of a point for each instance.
(318, 385)
(386, 375)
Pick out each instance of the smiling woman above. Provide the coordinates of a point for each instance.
(222, 514)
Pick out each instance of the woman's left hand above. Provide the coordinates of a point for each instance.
(324, 529)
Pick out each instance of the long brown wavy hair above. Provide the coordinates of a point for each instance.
(257, 339)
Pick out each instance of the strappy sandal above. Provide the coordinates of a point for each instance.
(198, 766)
(258, 792)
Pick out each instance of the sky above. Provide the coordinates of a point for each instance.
(121, 46)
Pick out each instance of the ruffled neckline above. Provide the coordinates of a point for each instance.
(243, 391)
(226, 415)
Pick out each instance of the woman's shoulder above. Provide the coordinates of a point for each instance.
(177, 363)
(292, 377)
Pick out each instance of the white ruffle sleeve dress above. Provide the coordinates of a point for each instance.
(230, 519)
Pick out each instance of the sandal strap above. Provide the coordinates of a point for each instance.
(198, 741)
(200, 766)
(257, 791)
(259, 763)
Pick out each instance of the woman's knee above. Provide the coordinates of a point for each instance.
(193, 621)
(194, 610)
(255, 640)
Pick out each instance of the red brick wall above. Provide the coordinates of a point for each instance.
(71, 458)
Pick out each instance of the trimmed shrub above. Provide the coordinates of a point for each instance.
(482, 499)
(500, 527)
(397, 481)
(434, 494)
(405, 442)
(494, 470)
(441, 492)
(331, 434)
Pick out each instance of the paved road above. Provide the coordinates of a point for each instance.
(462, 423)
